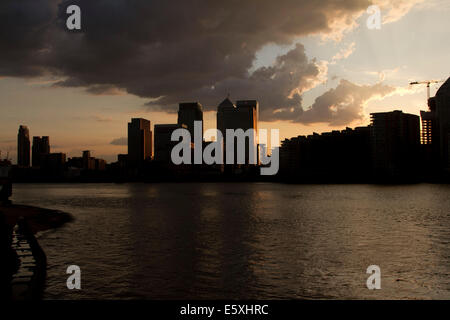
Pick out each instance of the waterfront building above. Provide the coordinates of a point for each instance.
(54, 163)
(88, 161)
(395, 139)
(243, 115)
(40, 149)
(23, 146)
(443, 123)
(429, 138)
(139, 141)
(163, 142)
(188, 113)
(344, 154)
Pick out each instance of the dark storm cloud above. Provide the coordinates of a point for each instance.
(24, 27)
(174, 50)
(271, 86)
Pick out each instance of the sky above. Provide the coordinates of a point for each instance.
(314, 66)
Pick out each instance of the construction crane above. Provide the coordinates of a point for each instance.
(428, 82)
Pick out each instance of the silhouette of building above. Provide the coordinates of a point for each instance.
(429, 137)
(75, 162)
(226, 115)
(100, 164)
(395, 143)
(88, 161)
(248, 114)
(54, 164)
(243, 115)
(40, 149)
(139, 141)
(342, 154)
(443, 123)
(187, 114)
(122, 160)
(163, 142)
(23, 147)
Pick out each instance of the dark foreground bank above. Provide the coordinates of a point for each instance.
(23, 268)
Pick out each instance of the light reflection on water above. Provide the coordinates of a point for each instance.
(246, 240)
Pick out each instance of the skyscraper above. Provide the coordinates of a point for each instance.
(139, 141)
(395, 138)
(225, 115)
(248, 114)
(443, 123)
(243, 115)
(429, 137)
(88, 161)
(188, 113)
(41, 148)
(23, 147)
(163, 142)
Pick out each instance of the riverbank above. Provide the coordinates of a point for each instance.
(23, 269)
(39, 219)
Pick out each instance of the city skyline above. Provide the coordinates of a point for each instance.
(92, 116)
(240, 115)
(395, 144)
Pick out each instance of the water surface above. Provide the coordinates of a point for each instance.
(246, 240)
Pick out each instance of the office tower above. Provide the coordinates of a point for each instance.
(225, 120)
(23, 147)
(443, 123)
(247, 118)
(88, 161)
(188, 113)
(139, 141)
(428, 119)
(243, 115)
(163, 142)
(40, 149)
(122, 160)
(225, 115)
(248, 114)
(429, 137)
(395, 138)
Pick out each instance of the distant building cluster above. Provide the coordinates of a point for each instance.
(243, 115)
(41, 163)
(149, 152)
(331, 153)
(395, 144)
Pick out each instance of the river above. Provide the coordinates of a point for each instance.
(246, 240)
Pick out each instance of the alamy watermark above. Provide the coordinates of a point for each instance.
(374, 20)
(74, 280)
(374, 280)
(240, 146)
(73, 21)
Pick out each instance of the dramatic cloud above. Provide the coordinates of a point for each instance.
(278, 88)
(172, 51)
(342, 105)
(395, 10)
